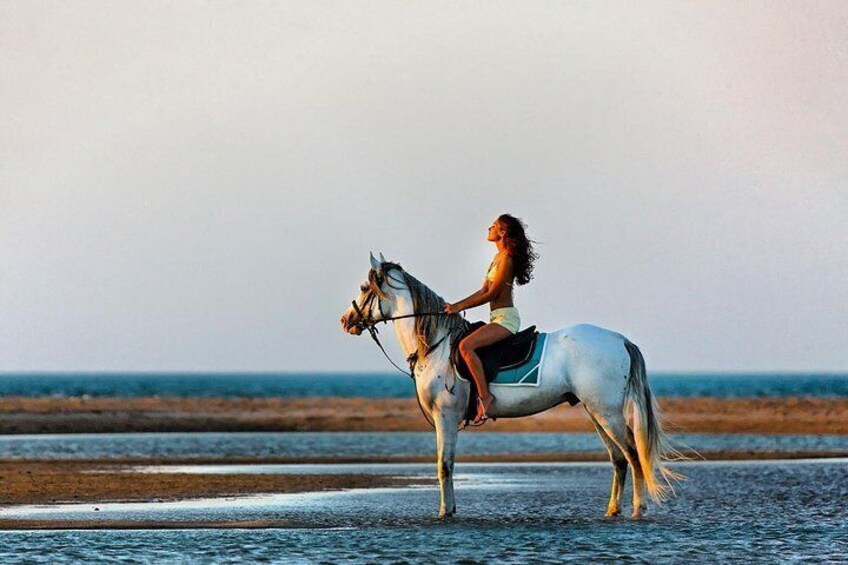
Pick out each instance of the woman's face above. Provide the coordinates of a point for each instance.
(496, 233)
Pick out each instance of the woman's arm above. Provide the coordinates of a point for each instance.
(468, 299)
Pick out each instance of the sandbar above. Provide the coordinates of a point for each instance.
(25, 415)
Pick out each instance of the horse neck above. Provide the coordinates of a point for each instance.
(404, 328)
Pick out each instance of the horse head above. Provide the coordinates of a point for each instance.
(376, 298)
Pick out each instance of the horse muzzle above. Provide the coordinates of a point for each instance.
(353, 329)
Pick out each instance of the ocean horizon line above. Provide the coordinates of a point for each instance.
(384, 373)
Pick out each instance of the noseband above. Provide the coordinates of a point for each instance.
(363, 323)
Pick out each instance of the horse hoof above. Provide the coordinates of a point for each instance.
(444, 514)
(612, 514)
(638, 513)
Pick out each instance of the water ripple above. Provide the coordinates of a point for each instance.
(753, 512)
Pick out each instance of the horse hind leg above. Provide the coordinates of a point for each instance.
(617, 430)
(639, 507)
(619, 464)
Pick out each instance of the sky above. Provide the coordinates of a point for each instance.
(196, 186)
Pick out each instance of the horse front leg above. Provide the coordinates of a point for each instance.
(447, 424)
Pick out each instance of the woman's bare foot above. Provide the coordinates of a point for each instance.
(481, 413)
(484, 403)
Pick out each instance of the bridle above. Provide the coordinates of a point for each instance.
(370, 324)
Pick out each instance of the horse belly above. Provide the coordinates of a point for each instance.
(514, 402)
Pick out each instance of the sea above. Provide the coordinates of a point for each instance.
(383, 384)
(725, 511)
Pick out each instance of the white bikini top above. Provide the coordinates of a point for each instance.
(490, 275)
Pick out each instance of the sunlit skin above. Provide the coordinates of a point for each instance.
(499, 295)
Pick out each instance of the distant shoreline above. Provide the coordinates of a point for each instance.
(46, 415)
(388, 384)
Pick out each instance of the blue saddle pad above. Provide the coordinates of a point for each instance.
(528, 372)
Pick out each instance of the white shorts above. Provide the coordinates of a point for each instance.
(507, 317)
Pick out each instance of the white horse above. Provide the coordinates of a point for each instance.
(603, 369)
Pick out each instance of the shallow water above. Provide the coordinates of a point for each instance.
(740, 511)
(299, 444)
(383, 384)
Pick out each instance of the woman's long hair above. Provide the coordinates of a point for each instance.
(519, 247)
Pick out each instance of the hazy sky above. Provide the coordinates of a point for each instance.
(197, 185)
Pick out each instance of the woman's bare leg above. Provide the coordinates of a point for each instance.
(488, 334)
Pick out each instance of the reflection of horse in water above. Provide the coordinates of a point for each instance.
(601, 368)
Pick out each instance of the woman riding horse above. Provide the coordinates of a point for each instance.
(600, 368)
(513, 262)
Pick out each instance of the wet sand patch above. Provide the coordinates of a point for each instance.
(25, 415)
(52, 482)
(74, 481)
(144, 524)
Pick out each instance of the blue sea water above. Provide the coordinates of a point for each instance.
(367, 444)
(382, 385)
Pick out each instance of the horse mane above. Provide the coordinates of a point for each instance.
(424, 299)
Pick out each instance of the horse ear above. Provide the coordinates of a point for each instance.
(374, 262)
(383, 259)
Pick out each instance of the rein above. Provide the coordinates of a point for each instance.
(371, 326)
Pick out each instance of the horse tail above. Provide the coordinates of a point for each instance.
(652, 444)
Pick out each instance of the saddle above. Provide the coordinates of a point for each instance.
(505, 354)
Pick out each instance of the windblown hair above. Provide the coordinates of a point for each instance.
(423, 300)
(519, 247)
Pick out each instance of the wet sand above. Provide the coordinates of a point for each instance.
(52, 482)
(23, 415)
(56, 482)
(144, 524)
(111, 480)
(97, 482)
